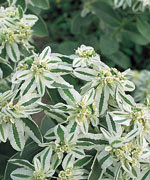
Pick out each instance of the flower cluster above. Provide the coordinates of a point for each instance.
(15, 31)
(101, 117)
(138, 5)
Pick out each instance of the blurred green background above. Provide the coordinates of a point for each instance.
(120, 36)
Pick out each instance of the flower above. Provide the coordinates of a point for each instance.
(64, 140)
(108, 83)
(81, 109)
(41, 169)
(40, 71)
(70, 171)
(15, 31)
(85, 56)
(15, 119)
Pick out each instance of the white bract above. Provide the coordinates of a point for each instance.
(85, 56)
(108, 83)
(81, 109)
(100, 129)
(137, 5)
(64, 140)
(15, 31)
(40, 71)
(41, 169)
(15, 119)
(70, 171)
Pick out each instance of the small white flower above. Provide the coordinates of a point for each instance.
(85, 56)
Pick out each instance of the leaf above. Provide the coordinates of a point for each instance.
(13, 52)
(32, 130)
(46, 158)
(96, 171)
(20, 11)
(68, 161)
(82, 162)
(135, 37)
(37, 30)
(46, 124)
(60, 132)
(108, 45)
(104, 160)
(16, 135)
(105, 12)
(43, 4)
(28, 153)
(22, 163)
(120, 59)
(71, 96)
(6, 68)
(68, 47)
(21, 173)
(22, 3)
(3, 132)
(144, 28)
(85, 74)
(101, 99)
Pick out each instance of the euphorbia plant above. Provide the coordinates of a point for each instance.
(95, 132)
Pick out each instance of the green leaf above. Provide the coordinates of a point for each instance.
(46, 124)
(22, 163)
(22, 3)
(13, 52)
(37, 30)
(16, 135)
(28, 153)
(108, 45)
(20, 10)
(120, 59)
(84, 161)
(144, 28)
(68, 47)
(32, 130)
(43, 4)
(6, 68)
(146, 175)
(60, 132)
(96, 171)
(105, 12)
(135, 37)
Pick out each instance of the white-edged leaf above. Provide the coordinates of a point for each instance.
(21, 174)
(31, 128)
(106, 133)
(60, 132)
(28, 86)
(3, 132)
(16, 135)
(82, 162)
(113, 126)
(45, 156)
(128, 86)
(22, 163)
(71, 96)
(121, 117)
(13, 51)
(45, 53)
(105, 160)
(101, 99)
(85, 73)
(68, 161)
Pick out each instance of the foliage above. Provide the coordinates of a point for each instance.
(92, 127)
